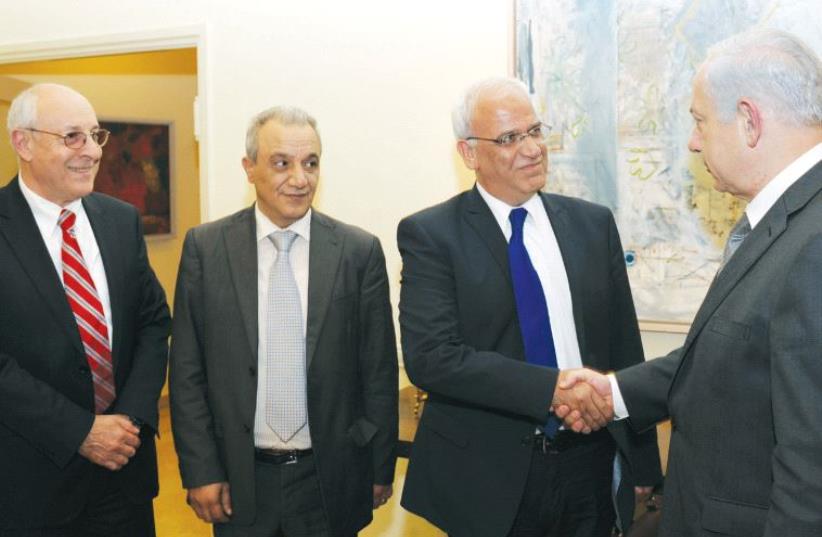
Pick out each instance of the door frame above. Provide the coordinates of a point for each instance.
(193, 36)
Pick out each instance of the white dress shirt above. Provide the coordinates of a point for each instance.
(264, 436)
(46, 214)
(543, 249)
(755, 211)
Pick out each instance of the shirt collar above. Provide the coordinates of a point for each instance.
(777, 186)
(43, 209)
(502, 210)
(266, 227)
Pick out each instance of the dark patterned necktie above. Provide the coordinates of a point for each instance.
(738, 233)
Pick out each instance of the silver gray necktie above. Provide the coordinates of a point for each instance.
(735, 238)
(285, 347)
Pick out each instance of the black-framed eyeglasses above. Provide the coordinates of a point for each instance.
(77, 139)
(539, 133)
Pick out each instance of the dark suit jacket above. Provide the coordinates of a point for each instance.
(744, 393)
(461, 343)
(46, 393)
(351, 355)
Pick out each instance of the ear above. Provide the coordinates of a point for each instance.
(751, 118)
(468, 153)
(248, 166)
(21, 142)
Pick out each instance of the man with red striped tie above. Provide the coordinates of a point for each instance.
(83, 335)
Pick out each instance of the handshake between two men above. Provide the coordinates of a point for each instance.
(583, 400)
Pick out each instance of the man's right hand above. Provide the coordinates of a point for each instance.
(111, 442)
(212, 503)
(583, 400)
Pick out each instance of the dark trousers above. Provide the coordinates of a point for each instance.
(568, 493)
(108, 513)
(288, 503)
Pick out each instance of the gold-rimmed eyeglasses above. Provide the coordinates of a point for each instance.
(539, 133)
(77, 139)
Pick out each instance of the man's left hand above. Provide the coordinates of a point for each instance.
(643, 493)
(382, 493)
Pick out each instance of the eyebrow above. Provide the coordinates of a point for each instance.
(288, 156)
(528, 128)
(78, 128)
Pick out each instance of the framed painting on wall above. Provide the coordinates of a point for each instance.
(614, 81)
(136, 168)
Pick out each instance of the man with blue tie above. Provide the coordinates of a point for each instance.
(503, 288)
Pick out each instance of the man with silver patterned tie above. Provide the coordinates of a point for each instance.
(283, 386)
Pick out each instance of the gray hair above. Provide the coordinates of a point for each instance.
(23, 109)
(284, 115)
(496, 86)
(774, 68)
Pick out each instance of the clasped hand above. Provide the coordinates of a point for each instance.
(583, 400)
(112, 441)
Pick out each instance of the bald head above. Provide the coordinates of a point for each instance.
(38, 122)
(27, 107)
(493, 89)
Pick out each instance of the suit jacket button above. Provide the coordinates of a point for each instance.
(247, 429)
(83, 371)
(252, 371)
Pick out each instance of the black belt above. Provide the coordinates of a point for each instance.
(564, 440)
(280, 456)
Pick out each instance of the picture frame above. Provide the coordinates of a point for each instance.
(136, 167)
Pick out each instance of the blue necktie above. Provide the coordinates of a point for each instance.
(532, 310)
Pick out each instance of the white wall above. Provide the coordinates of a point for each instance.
(379, 75)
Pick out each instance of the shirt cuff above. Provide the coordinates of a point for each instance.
(620, 410)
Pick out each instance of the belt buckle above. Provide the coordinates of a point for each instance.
(290, 458)
(546, 447)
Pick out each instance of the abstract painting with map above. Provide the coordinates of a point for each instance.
(613, 78)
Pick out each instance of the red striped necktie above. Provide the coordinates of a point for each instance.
(88, 312)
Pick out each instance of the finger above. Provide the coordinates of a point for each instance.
(606, 407)
(115, 462)
(590, 411)
(216, 513)
(225, 500)
(568, 378)
(123, 450)
(125, 423)
(132, 440)
(561, 411)
(572, 418)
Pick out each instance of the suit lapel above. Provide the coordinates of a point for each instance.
(240, 242)
(19, 228)
(109, 245)
(324, 253)
(574, 266)
(482, 220)
(754, 247)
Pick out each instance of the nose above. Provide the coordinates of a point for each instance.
(91, 149)
(299, 178)
(531, 147)
(695, 142)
